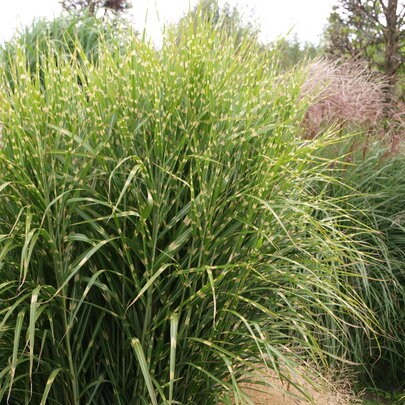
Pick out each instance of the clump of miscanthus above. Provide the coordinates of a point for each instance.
(347, 93)
(160, 233)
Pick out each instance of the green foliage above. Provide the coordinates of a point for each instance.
(379, 397)
(162, 236)
(342, 33)
(292, 52)
(45, 38)
(373, 30)
(377, 198)
(224, 18)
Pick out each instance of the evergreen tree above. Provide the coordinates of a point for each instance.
(91, 6)
(373, 30)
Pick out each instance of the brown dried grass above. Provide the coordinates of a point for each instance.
(344, 93)
(395, 133)
(351, 96)
(328, 389)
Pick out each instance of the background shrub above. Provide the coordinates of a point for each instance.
(43, 38)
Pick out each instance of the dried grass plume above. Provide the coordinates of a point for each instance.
(345, 93)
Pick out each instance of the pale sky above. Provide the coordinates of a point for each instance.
(276, 17)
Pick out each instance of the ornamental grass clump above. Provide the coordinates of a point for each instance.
(160, 234)
(379, 201)
(347, 93)
(61, 34)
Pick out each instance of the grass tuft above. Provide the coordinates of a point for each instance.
(161, 228)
